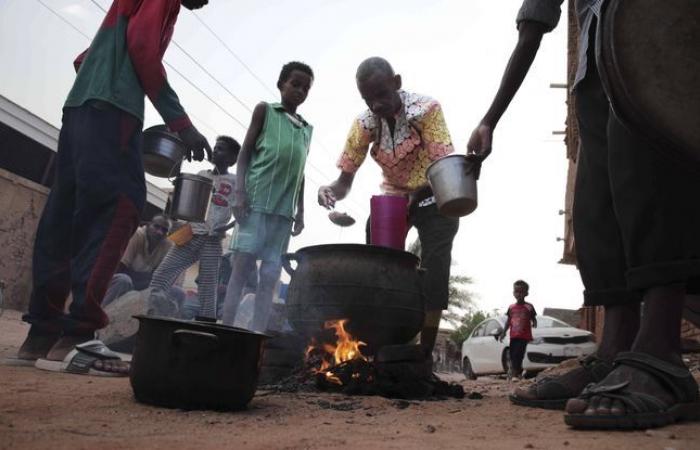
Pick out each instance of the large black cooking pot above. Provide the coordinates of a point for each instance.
(378, 289)
(194, 365)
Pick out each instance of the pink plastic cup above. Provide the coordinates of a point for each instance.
(388, 223)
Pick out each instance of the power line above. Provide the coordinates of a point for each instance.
(201, 91)
(235, 119)
(212, 77)
(232, 53)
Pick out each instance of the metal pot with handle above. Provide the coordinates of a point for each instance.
(163, 151)
(191, 197)
(378, 289)
(453, 180)
(195, 365)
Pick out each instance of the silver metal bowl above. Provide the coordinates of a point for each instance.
(453, 180)
(163, 151)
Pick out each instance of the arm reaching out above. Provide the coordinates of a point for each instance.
(529, 38)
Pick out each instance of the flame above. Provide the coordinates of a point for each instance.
(346, 348)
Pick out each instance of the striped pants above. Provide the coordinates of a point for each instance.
(203, 248)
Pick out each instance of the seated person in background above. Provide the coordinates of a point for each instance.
(144, 253)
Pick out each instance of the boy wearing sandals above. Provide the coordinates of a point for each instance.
(269, 199)
(99, 190)
(636, 241)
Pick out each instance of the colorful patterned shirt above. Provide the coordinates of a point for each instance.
(420, 137)
(124, 61)
(276, 169)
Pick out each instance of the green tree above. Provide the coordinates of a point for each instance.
(469, 321)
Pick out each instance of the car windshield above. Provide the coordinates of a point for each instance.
(547, 322)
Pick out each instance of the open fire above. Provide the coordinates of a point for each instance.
(336, 362)
(340, 362)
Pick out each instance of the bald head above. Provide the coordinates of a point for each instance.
(374, 66)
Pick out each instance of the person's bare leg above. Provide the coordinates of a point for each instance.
(620, 327)
(658, 336)
(428, 334)
(269, 274)
(243, 264)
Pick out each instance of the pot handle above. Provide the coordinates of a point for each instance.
(196, 340)
(287, 258)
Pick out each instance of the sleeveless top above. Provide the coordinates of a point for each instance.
(276, 167)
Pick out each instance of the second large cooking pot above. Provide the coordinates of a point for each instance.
(378, 289)
(194, 365)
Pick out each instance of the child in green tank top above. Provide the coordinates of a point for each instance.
(269, 197)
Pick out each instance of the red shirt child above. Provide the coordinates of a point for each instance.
(521, 315)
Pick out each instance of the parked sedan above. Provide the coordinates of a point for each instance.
(553, 342)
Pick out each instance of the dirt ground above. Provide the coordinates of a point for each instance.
(47, 410)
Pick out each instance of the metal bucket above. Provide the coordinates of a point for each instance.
(191, 197)
(453, 180)
(162, 150)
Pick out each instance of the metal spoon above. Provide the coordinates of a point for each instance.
(340, 218)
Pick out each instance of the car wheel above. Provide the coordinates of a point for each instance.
(467, 369)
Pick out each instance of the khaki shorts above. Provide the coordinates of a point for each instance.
(264, 235)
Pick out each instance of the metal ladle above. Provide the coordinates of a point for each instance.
(340, 218)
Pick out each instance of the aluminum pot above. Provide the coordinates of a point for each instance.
(378, 289)
(162, 150)
(453, 180)
(195, 365)
(191, 197)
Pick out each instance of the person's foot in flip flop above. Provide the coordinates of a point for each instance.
(620, 328)
(649, 386)
(83, 355)
(641, 392)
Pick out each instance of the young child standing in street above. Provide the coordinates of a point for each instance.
(521, 319)
(205, 244)
(269, 198)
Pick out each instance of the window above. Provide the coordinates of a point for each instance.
(479, 331)
(492, 328)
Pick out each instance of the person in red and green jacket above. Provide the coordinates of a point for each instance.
(99, 189)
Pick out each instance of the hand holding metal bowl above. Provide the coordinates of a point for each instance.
(453, 180)
(164, 150)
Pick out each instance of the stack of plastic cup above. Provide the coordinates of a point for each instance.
(389, 221)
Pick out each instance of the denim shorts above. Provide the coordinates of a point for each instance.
(264, 235)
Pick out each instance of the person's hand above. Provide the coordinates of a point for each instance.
(222, 229)
(501, 337)
(298, 224)
(195, 143)
(326, 197)
(240, 206)
(480, 141)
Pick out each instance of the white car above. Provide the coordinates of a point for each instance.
(553, 342)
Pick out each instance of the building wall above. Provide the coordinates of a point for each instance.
(21, 203)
